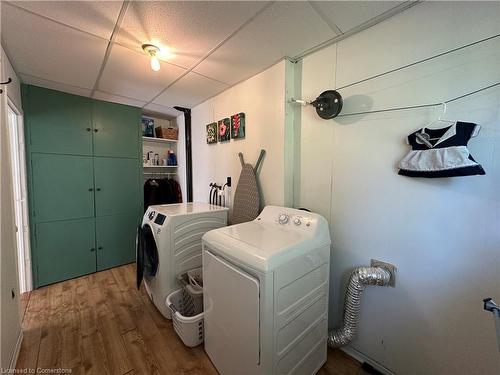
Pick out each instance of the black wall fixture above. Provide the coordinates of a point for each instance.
(189, 156)
(9, 80)
(328, 104)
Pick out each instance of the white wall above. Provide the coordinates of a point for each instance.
(10, 328)
(442, 234)
(262, 99)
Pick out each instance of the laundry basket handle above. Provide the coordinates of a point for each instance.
(193, 282)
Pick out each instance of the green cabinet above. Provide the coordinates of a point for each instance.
(63, 186)
(116, 182)
(60, 123)
(85, 188)
(116, 129)
(115, 240)
(64, 249)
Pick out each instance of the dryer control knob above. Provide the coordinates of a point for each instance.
(297, 221)
(283, 219)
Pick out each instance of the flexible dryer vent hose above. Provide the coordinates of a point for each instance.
(359, 279)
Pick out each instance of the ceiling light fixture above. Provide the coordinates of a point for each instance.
(152, 50)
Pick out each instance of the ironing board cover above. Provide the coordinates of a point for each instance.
(246, 204)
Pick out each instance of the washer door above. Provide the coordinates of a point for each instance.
(231, 302)
(146, 254)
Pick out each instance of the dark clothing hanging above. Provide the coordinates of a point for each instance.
(161, 191)
(177, 190)
(166, 194)
(441, 152)
(151, 193)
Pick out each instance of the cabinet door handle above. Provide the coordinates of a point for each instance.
(92, 249)
(96, 130)
(89, 129)
(98, 189)
(90, 189)
(99, 248)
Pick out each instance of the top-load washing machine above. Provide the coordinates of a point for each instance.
(265, 285)
(169, 243)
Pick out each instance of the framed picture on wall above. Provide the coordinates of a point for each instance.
(212, 133)
(148, 127)
(224, 130)
(238, 126)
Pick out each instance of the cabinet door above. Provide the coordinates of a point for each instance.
(118, 186)
(57, 122)
(62, 187)
(63, 250)
(117, 130)
(116, 240)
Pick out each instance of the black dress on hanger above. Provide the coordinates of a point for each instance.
(441, 152)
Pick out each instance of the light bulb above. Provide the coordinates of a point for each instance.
(155, 63)
(152, 51)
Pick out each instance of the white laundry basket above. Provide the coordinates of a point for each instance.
(189, 329)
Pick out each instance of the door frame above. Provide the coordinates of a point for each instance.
(21, 202)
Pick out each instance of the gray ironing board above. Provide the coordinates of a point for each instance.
(246, 206)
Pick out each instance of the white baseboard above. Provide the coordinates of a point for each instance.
(15, 355)
(363, 358)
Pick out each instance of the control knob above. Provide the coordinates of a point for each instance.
(283, 219)
(297, 221)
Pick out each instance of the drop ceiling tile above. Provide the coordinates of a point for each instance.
(128, 73)
(96, 17)
(117, 99)
(189, 91)
(48, 50)
(284, 29)
(35, 81)
(189, 28)
(349, 14)
(162, 110)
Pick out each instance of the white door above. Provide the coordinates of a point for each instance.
(18, 167)
(231, 302)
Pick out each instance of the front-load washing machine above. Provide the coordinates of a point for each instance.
(265, 285)
(169, 243)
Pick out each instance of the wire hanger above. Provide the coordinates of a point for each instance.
(425, 138)
(439, 119)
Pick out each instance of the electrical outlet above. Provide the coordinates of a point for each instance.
(389, 267)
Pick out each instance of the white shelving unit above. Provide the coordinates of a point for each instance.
(159, 146)
(158, 140)
(159, 166)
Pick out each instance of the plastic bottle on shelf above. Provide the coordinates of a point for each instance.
(171, 159)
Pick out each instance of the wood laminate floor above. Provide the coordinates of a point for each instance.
(101, 324)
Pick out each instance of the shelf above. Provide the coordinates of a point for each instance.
(160, 166)
(159, 140)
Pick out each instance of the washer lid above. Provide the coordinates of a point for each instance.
(264, 244)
